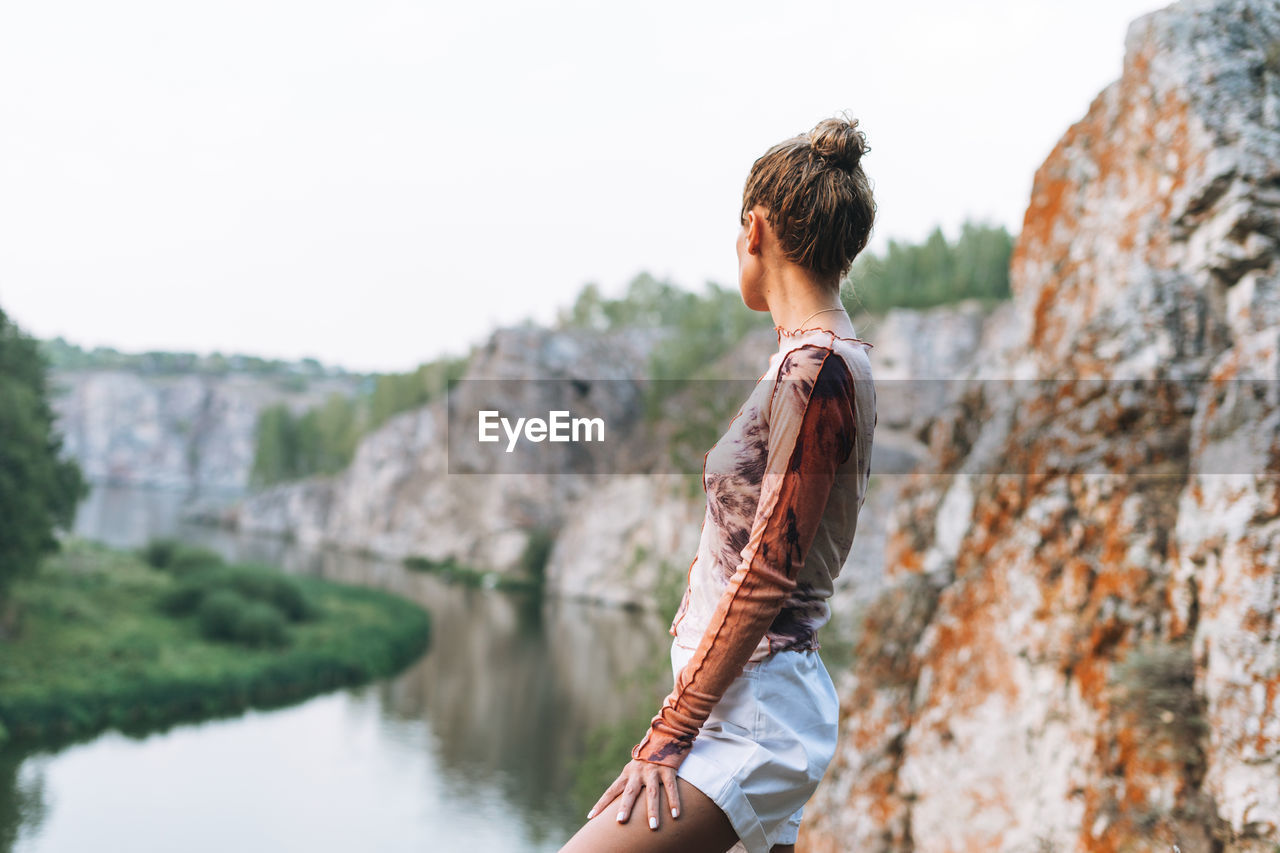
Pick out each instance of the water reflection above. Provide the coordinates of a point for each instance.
(475, 745)
(22, 799)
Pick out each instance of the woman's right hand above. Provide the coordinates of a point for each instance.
(635, 776)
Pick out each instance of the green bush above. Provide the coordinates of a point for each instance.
(249, 581)
(188, 559)
(268, 585)
(158, 552)
(260, 624)
(219, 613)
(224, 614)
(187, 595)
(178, 558)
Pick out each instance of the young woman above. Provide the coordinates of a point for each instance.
(750, 727)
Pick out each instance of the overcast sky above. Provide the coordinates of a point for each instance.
(376, 183)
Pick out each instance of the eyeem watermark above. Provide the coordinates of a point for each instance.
(1148, 428)
(559, 426)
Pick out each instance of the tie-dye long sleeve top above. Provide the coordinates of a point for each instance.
(784, 486)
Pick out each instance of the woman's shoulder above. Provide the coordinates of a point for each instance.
(812, 371)
(807, 358)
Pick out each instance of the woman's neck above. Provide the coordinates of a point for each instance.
(795, 300)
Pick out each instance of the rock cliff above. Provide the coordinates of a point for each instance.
(408, 492)
(1076, 647)
(187, 431)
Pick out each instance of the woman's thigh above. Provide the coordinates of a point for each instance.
(702, 826)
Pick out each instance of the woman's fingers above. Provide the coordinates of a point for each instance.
(626, 788)
(651, 785)
(673, 795)
(629, 794)
(607, 796)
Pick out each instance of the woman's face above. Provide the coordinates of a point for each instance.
(750, 268)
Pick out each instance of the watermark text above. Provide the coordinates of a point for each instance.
(559, 425)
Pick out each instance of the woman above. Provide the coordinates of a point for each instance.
(750, 727)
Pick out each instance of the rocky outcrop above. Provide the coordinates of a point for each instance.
(1077, 646)
(411, 491)
(190, 432)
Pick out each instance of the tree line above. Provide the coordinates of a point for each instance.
(323, 439)
(935, 272)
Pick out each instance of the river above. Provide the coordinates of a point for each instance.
(475, 746)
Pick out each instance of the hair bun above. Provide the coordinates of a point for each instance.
(839, 142)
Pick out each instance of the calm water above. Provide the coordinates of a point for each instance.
(476, 746)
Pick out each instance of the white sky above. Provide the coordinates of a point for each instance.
(375, 183)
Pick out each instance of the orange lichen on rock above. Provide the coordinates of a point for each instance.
(1112, 534)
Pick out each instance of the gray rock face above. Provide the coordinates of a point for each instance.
(188, 432)
(409, 491)
(1077, 648)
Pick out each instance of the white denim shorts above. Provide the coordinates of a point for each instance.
(766, 745)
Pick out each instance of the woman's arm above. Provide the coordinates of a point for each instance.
(811, 432)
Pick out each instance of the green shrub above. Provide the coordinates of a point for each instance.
(187, 559)
(260, 624)
(219, 613)
(224, 614)
(158, 552)
(177, 557)
(250, 582)
(273, 587)
(187, 595)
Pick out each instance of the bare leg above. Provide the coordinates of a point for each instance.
(702, 826)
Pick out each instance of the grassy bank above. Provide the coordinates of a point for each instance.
(529, 576)
(107, 639)
(455, 572)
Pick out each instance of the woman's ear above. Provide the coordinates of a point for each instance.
(755, 226)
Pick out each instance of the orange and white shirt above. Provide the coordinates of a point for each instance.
(784, 486)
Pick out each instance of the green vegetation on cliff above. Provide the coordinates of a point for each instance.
(136, 641)
(323, 440)
(702, 326)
